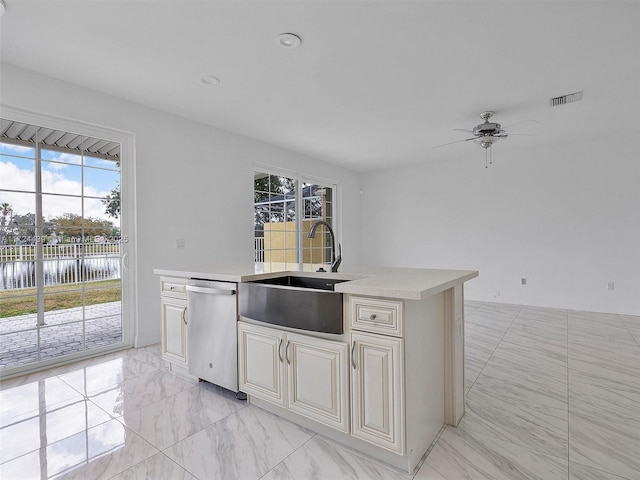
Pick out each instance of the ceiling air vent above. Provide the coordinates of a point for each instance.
(569, 98)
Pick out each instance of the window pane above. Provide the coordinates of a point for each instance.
(100, 183)
(69, 158)
(61, 339)
(17, 173)
(19, 138)
(20, 303)
(102, 299)
(62, 304)
(101, 211)
(101, 163)
(63, 216)
(61, 178)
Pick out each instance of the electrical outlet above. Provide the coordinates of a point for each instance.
(181, 243)
(611, 286)
(497, 294)
(523, 281)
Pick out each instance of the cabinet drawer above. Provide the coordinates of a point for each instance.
(376, 315)
(173, 287)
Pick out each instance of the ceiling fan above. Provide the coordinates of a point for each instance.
(486, 134)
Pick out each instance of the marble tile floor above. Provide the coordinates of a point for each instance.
(551, 394)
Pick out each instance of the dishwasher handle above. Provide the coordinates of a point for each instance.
(210, 291)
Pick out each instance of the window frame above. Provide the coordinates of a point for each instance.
(301, 178)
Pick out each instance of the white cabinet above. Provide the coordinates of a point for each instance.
(377, 386)
(173, 301)
(317, 379)
(261, 369)
(306, 375)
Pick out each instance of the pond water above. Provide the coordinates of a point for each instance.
(22, 273)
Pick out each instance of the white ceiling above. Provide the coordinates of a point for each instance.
(374, 84)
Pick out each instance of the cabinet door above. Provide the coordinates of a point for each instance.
(261, 363)
(377, 390)
(174, 330)
(317, 373)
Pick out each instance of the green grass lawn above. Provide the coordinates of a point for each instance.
(58, 297)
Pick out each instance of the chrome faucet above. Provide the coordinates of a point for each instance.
(335, 262)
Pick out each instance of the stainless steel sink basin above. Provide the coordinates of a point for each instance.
(302, 282)
(305, 303)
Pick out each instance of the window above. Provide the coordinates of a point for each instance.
(285, 208)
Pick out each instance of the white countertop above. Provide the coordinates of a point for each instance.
(407, 283)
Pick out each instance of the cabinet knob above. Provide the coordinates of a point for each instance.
(172, 288)
(373, 316)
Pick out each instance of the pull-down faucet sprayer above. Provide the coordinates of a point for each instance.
(335, 261)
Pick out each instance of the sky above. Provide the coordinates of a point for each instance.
(62, 174)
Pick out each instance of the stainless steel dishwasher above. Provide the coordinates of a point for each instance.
(212, 345)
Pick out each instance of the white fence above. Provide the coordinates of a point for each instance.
(258, 248)
(62, 263)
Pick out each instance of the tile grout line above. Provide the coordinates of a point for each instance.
(627, 328)
(496, 347)
(285, 458)
(428, 452)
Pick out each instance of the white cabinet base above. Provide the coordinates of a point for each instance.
(405, 463)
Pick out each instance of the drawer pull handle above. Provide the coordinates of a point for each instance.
(353, 360)
(172, 287)
(286, 352)
(280, 350)
(373, 316)
(184, 315)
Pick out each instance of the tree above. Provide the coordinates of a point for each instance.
(23, 229)
(274, 200)
(6, 215)
(112, 203)
(72, 225)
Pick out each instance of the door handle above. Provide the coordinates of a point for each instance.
(184, 316)
(280, 349)
(210, 291)
(124, 260)
(353, 350)
(286, 351)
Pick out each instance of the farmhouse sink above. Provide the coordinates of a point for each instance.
(302, 282)
(305, 303)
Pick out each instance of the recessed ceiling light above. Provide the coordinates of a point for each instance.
(288, 40)
(210, 80)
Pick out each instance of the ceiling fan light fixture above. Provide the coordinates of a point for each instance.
(487, 141)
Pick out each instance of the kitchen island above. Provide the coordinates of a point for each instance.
(385, 386)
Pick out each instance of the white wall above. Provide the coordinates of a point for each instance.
(566, 217)
(193, 182)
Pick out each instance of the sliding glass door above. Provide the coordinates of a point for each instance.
(61, 245)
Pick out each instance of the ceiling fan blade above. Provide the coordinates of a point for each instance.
(457, 141)
(526, 134)
(521, 122)
(462, 130)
